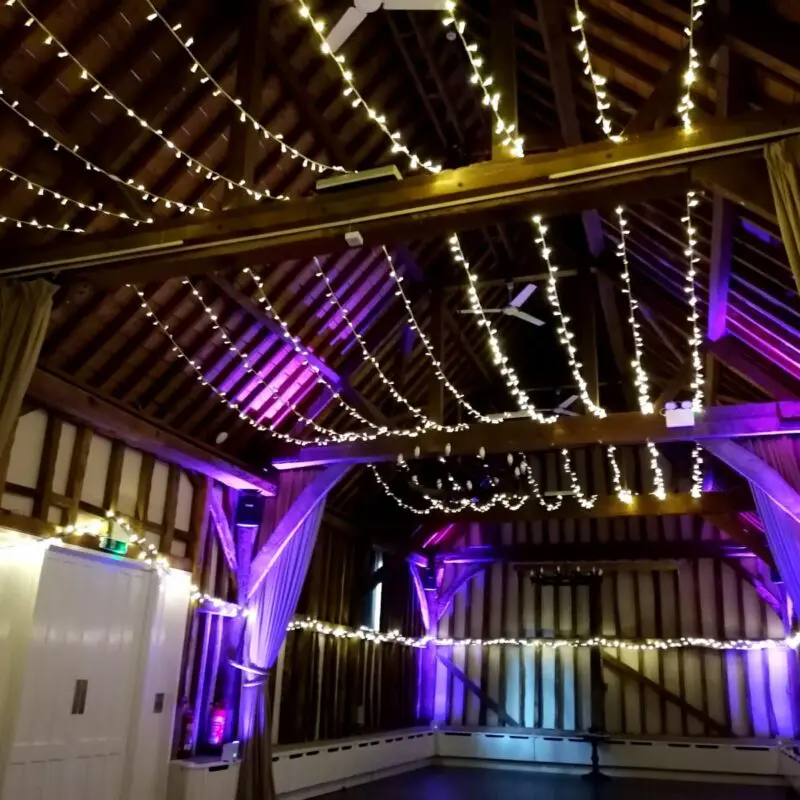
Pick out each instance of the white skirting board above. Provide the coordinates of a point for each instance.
(306, 771)
(309, 770)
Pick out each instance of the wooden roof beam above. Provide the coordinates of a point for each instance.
(524, 435)
(111, 419)
(570, 180)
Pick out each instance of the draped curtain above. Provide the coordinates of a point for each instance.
(24, 316)
(782, 453)
(271, 610)
(783, 161)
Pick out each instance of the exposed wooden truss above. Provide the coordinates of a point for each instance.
(588, 176)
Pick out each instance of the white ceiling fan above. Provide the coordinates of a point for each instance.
(355, 15)
(563, 408)
(513, 309)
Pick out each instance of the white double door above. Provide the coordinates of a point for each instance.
(81, 681)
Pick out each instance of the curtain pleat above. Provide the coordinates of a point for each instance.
(24, 317)
(270, 612)
(783, 162)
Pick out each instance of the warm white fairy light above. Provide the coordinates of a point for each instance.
(425, 421)
(98, 87)
(536, 490)
(354, 96)
(243, 116)
(575, 484)
(639, 375)
(245, 360)
(512, 502)
(438, 367)
(697, 472)
(42, 191)
(659, 489)
(598, 81)
(202, 379)
(679, 643)
(565, 335)
(129, 183)
(625, 495)
(690, 76)
(498, 354)
(33, 223)
(512, 141)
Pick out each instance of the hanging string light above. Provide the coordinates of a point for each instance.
(303, 352)
(625, 495)
(598, 81)
(659, 489)
(498, 355)
(33, 223)
(680, 643)
(42, 191)
(354, 96)
(107, 94)
(57, 145)
(686, 104)
(202, 379)
(575, 484)
(565, 334)
(512, 141)
(426, 422)
(244, 359)
(243, 117)
(438, 367)
(536, 491)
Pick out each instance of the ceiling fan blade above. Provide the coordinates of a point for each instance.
(565, 412)
(568, 402)
(415, 5)
(511, 311)
(345, 27)
(485, 311)
(523, 295)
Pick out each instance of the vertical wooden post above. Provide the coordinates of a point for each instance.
(504, 68)
(598, 687)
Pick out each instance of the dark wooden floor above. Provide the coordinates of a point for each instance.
(483, 784)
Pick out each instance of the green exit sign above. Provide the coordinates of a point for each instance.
(115, 546)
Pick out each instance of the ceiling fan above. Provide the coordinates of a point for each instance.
(563, 408)
(355, 15)
(513, 308)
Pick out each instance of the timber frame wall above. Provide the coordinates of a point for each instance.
(57, 473)
(684, 693)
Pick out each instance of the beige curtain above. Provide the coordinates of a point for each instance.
(24, 316)
(783, 161)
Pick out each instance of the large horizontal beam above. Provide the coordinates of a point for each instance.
(591, 552)
(524, 435)
(609, 506)
(111, 419)
(570, 180)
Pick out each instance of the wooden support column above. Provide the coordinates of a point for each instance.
(722, 227)
(243, 154)
(504, 69)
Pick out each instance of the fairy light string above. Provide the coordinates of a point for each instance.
(499, 357)
(565, 334)
(598, 81)
(686, 104)
(438, 367)
(426, 422)
(491, 96)
(209, 173)
(623, 493)
(43, 191)
(355, 98)
(129, 183)
(245, 360)
(243, 116)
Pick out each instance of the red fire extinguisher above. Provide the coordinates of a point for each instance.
(216, 724)
(186, 744)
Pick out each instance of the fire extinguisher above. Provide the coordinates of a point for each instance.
(216, 724)
(186, 744)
